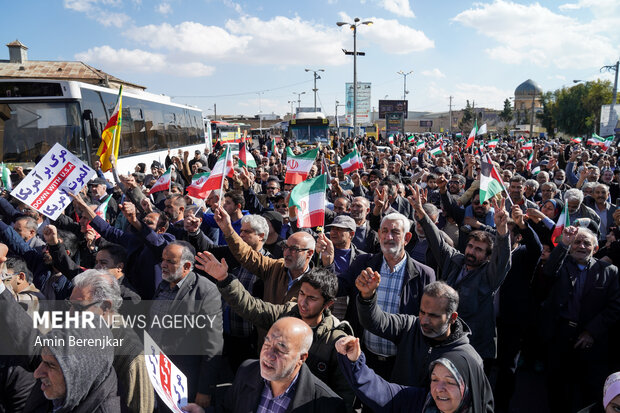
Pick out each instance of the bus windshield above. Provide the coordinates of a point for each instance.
(309, 134)
(28, 130)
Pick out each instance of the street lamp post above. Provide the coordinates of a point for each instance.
(292, 102)
(299, 98)
(316, 76)
(353, 26)
(260, 113)
(400, 72)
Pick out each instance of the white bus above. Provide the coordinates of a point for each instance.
(35, 114)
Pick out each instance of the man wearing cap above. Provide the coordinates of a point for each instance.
(98, 194)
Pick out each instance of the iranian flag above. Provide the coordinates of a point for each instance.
(492, 143)
(576, 140)
(351, 162)
(298, 166)
(482, 130)
(563, 221)
(222, 168)
(596, 140)
(472, 135)
(529, 162)
(607, 143)
(490, 181)
(103, 208)
(163, 183)
(529, 145)
(245, 157)
(309, 198)
(410, 138)
(419, 146)
(391, 139)
(436, 151)
(195, 189)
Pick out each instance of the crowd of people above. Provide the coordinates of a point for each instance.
(419, 294)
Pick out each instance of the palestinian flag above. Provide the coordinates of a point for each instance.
(536, 170)
(298, 166)
(492, 143)
(529, 145)
(521, 139)
(222, 168)
(103, 208)
(245, 157)
(419, 146)
(195, 189)
(163, 183)
(482, 130)
(309, 198)
(576, 140)
(563, 221)
(6, 178)
(458, 135)
(273, 145)
(351, 162)
(472, 135)
(490, 181)
(436, 151)
(528, 167)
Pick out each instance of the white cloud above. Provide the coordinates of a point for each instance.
(433, 73)
(235, 6)
(99, 10)
(164, 8)
(535, 35)
(390, 35)
(142, 61)
(190, 38)
(399, 7)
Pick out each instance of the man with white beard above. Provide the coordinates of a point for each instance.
(400, 292)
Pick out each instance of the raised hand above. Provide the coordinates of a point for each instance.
(325, 247)
(222, 219)
(191, 223)
(146, 205)
(518, 216)
(244, 177)
(568, 235)
(129, 210)
(415, 200)
(442, 184)
(367, 283)
(381, 199)
(206, 262)
(349, 346)
(501, 216)
(50, 234)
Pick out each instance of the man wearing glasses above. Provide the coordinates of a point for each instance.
(281, 276)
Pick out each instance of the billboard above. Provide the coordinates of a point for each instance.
(426, 123)
(392, 106)
(609, 120)
(363, 102)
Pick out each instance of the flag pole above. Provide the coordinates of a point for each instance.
(224, 173)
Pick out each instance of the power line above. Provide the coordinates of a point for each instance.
(243, 93)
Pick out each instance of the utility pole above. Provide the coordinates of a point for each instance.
(450, 127)
(316, 76)
(214, 111)
(400, 72)
(614, 99)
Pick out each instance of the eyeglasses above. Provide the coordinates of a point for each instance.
(80, 307)
(293, 248)
(273, 188)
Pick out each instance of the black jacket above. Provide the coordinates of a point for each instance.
(311, 394)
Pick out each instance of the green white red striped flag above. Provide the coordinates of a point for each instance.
(576, 140)
(472, 135)
(492, 143)
(309, 198)
(529, 162)
(607, 143)
(410, 138)
(419, 146)
(196, 188)
(529, 145)
(563, 222)
(222, 168)
(436, 151)
(458, 135)
(596, 140)
(391, 139)
(298, 166)
(163, 183)
(351, 161)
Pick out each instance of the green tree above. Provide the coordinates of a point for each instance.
(466, 121)
(577, 109)
(506, 115)
(547, 117)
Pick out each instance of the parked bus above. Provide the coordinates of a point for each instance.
(309, 128)
(36, 114)
(225, 132)
(372, 131)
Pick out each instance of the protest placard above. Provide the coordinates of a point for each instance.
(45, 187)
(169, 382)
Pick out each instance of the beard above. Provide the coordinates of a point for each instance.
(438, 333)
(174, 277)
(392, 248)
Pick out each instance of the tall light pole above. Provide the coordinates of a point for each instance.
(353, 26)
(292, 102)
(316, 76)
(336, 117)
(299, 98)
(400, 72)
(260, 113)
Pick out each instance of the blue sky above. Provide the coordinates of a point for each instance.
(221, 51)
